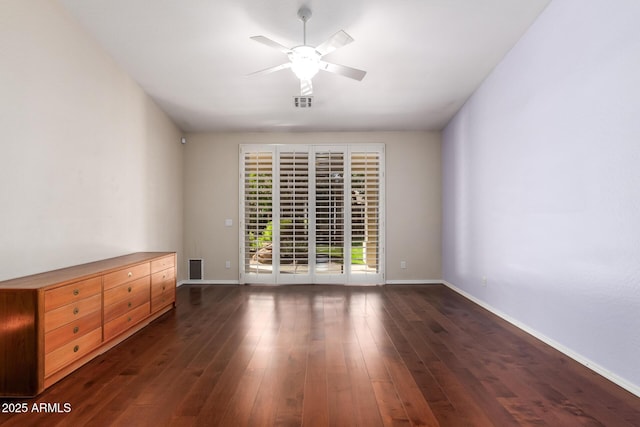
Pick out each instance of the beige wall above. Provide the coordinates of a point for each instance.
(413, 208)
(89, 166)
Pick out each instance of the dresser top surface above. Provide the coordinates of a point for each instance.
(80, 272)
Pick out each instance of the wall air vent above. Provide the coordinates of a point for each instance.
(302, 101)
(196, 268)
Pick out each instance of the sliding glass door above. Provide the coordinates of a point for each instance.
(312, 214)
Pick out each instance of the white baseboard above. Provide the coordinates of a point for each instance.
(207, 282)
(236, 282)
(630, 387)
(414, 282)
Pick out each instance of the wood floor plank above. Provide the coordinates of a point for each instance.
(221, 394)
(365, 409)
(268, 404)
(329, 356)
(315, 408)
(415, 405)
(292, 369)
(420, 360)
(212, 360)
(338, 331)
(238, 410)
(370, 352)
(475, 399)
(466, 369)
(389, 404)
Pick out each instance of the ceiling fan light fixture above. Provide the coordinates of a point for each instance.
(305, 62)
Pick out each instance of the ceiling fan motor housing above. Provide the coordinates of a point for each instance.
(304, 13)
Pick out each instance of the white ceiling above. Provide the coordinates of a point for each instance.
(423, 58)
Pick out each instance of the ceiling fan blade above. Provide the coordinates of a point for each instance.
(272, 69)
(267, 41)
(306, 88)
(343, 70)
(334, 42)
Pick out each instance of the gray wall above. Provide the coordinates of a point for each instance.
(542, 185)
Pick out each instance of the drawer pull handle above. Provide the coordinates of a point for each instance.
(129, 289)
(164, 276)
(76, 329)
(129, 304)
(76, 310)
(76, 348)
(129, 274)
(163, 287)
(128, 319)
(76, 291)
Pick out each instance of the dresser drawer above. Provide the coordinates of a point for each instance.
(160, 285)
(68, 294)
(137, 297)
(68, 313)
(126, 275)
(163, 288)
(121, 323)
(69, 352)
(162, 263)
(122, 292)
(163, 299)
(71, 331)
(162, 282)
(163, 279)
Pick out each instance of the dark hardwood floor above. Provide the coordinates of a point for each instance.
(321, 355)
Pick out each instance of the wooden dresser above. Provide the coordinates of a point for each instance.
(54, 322)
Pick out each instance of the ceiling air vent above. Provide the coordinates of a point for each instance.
(302, 101)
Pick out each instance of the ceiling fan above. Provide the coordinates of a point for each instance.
(305, 61)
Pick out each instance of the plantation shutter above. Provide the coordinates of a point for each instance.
(293, 169)
(330, 211)
(258, 213)
(365, 212)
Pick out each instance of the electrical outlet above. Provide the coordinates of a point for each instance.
(227, 264)
(484, 280)
(403, 264)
